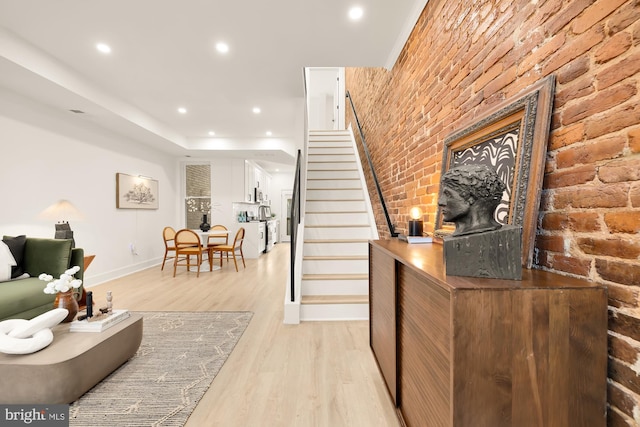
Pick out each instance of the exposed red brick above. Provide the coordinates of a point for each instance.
(615, 419)
(555, 221)
(564, 17)
(618, 248)
(594, 14)
(617, 72)
(619, 272)
(634, 196)
(573, 70)
(570, 265)
(622, 296)
(586, 222)
(567, 135)
(602, 149)
(573, 48)
(568, 177)
(602, 101)
(602, 196)
(624, 324)
(624, 375)
(615, 120)
(620, 398)
(613, 47)
(537, 56)
(623, 17)
(634, 140)
(550, 243)
(574, 91)
(623, 222)
(620, 170)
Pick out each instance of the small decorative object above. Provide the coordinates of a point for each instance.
(109, 302)
(205, 226)
(89, 304)
(20, 336)
(64, 289)
(415, 224)
(480, 246)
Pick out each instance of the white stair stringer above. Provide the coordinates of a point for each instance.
(338, 226)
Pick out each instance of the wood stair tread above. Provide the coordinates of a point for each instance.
(334, 299)
(336, 241)
(335, 258)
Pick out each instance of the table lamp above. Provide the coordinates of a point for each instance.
(415, 224)
(62, 211)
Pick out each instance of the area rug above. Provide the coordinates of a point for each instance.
(180, 355)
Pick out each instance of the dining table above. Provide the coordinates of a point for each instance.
(204, 239)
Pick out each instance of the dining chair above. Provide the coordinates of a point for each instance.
(214, 240)
(168, 235)
(232, 249)
(188, 244)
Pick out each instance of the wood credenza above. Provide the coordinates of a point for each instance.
(473, 352)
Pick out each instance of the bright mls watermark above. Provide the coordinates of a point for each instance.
(34, 415)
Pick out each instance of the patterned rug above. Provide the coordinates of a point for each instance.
(180, 355)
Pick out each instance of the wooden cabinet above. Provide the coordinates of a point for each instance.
(473, 352)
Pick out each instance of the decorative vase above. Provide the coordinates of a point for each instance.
(205, 225)
(67, 300)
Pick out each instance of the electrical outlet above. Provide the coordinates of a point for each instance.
(132, 248)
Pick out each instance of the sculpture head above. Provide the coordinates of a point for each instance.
(469, 196)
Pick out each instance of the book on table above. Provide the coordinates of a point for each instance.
(415, 239)
(99, 323)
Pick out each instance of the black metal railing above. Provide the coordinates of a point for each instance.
(294, 214)
(371, 168)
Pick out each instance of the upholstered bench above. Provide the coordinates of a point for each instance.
(72, 364)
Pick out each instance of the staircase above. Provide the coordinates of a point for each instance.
(338, 225)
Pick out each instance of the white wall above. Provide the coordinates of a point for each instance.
(49, 155)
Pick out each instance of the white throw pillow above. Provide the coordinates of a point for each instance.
(6, 262)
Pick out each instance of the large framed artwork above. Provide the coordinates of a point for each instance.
(136, 192)
(512, 139)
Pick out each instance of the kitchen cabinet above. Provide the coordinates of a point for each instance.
(254, 238)
(464, 351)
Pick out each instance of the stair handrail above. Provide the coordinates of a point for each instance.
(294, 214)
(371, 168)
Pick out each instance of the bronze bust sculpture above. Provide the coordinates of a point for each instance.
(469, 197)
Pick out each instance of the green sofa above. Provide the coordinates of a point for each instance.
(23, 298)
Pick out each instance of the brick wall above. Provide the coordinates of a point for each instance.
(465, 57)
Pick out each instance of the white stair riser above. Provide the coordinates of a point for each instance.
(320, 184)
(347, 266)
(316, 233)
(310, 312)
(338, 158)
(340, 206)
(323, 137)
(335, 287)
(330, 166)
(337, 218)
(345, 149)
(336, 249)
(324, 174)
(335, 194)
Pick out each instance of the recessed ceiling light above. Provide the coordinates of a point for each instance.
(256, 110)
(355, 13)
(269, 133)
(104, 48)
(211, 133)
(222, 47)
(182, 110)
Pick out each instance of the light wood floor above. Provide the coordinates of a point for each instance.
(312, 374)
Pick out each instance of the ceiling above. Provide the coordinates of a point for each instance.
(163, 56)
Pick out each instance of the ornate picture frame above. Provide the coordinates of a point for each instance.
(512, 138)
(136, 192)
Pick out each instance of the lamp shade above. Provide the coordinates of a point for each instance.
(61, 211)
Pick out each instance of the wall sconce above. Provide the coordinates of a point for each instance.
(62, 211)
(415, 224)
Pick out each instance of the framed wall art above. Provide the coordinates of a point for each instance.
(136, 192)
(512, 139)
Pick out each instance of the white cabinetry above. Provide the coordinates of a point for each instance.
(254, 239)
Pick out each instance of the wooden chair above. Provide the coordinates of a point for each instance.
(188, 244)
(232, 249)
(213, 241)
(168, 235)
